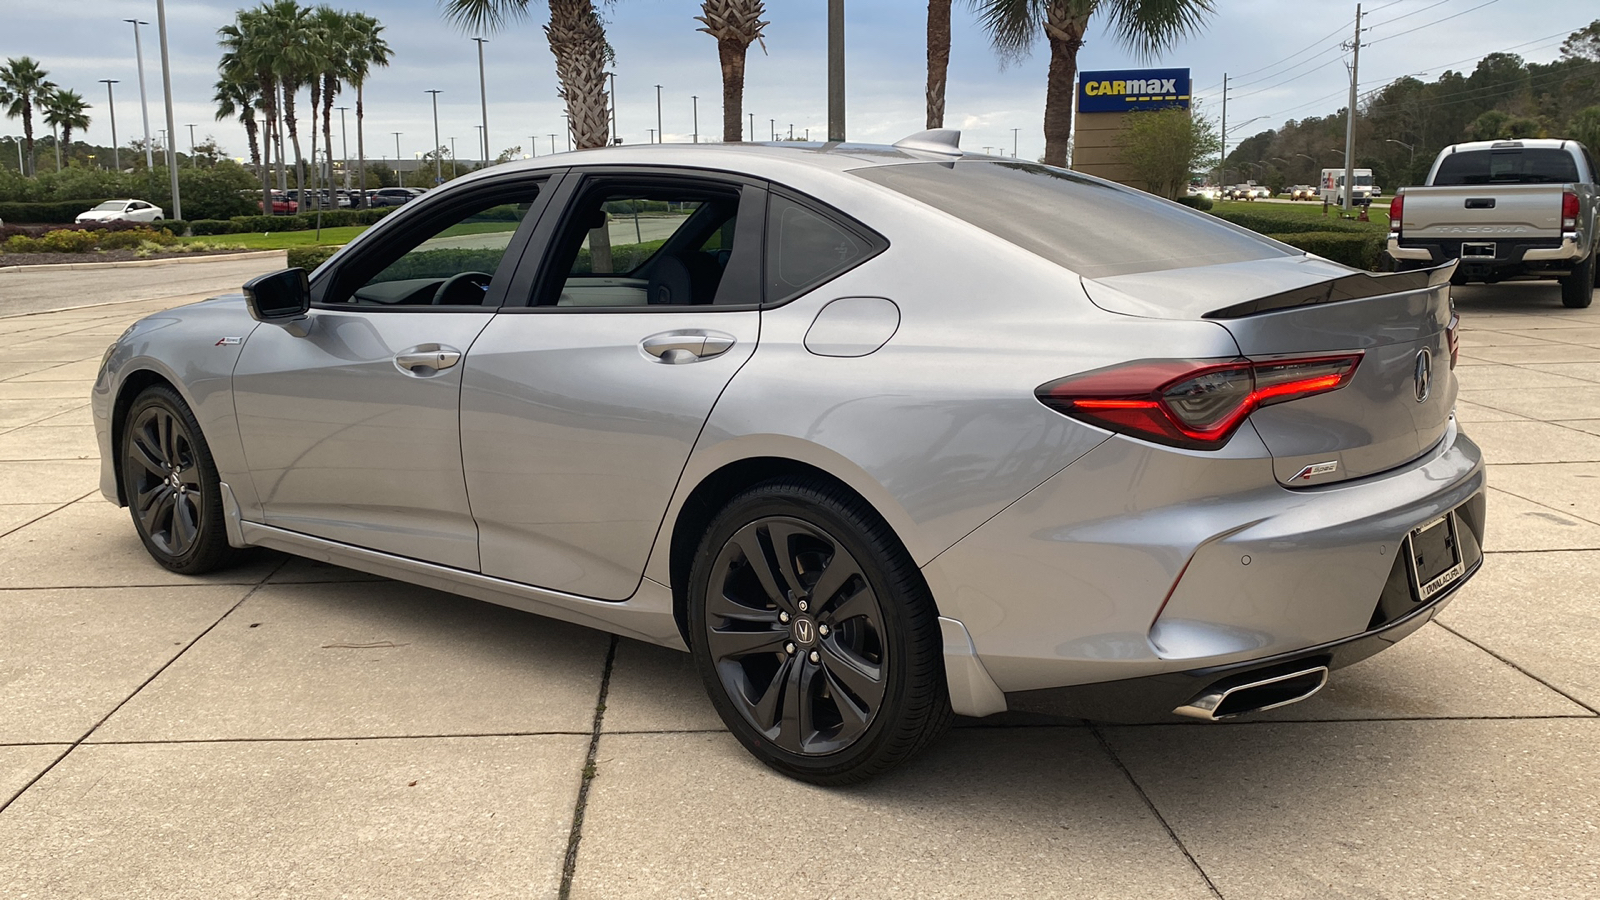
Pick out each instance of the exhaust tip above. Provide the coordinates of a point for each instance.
(1252, 693)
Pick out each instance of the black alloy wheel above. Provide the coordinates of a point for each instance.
(815, 635)
(171, 485)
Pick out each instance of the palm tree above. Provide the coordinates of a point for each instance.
(65, 110)
(736, 24)
(366, 49)
(248, 57)
(22, 84)
(333, 31)
(938, 59)
(1148, 27)
(289, 34)
(238, 97)
(577, 37)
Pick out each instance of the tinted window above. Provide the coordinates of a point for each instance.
(805, 248)
(1094, 228)
(1517, 165)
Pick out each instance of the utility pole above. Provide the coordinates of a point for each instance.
(613, 98)
(1350, 119)
(652, 133)
(835, 70)
(533, 145)
(483, 98)
(660, 134)
(772, 130)
(111, 108)
(344, 147)
(144, 101)
(399, 175)
(166, 90)
(752, 135)
(1014, 142)
(696, 99)
(191, 145)
(1223, 165)
(438, 164)
(552, 144)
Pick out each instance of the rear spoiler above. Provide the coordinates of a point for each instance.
(1358, 286)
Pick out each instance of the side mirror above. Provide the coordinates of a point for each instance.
(278, 297)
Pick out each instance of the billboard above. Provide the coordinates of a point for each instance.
(1132, 90)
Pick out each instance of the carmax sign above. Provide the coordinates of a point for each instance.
(1131, 90)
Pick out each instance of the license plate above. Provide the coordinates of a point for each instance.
(1434, 556)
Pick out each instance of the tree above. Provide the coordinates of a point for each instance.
(23, 84)
(248, 56)
(1164, 147)
(1585, 127)
(1583, 44)
(237, 97)
(333, 35)
(65, 110)
(1148, 27)
(938, 60)
(367, 49)
(736, 24)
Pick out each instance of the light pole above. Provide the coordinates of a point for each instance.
(144, 101)
(772, 129)
(191, 145)
(399, 175)
(552, 144)
(453, 172)
(533, 145)
(752, 135)
(1014, 142)
(695, 98)
(438, 170)
(111, 109)
(480, 142)
(652, 133)
(1411, 147)
(615, 138)
(166, 91)
(835, 70)
(483, 98)
(660, 135)
(20, 170)
(344, 147)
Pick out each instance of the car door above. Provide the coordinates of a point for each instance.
(579, 409)
(350, 422)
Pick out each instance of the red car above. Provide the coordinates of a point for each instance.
(281, 205)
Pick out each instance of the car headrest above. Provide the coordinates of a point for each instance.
(598, 220)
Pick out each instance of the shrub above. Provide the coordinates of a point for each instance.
(262, 224)
(333, 218)
(132, 238)
(1360, 251)
(371, 216)
(178, 227)
(1203, 204)
(309, 258)
(1275, 225)
(58, 212)
(208, 227)
(69, 240)
(22, 243)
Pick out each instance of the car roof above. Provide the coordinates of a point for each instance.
(1526, 143)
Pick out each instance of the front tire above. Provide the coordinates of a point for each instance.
(1577, 289)
(815, 634)
(171, 485)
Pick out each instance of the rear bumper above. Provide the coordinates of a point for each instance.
(1507, 252)
(1137, 562)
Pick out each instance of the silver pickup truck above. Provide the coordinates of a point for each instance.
(1505, 209)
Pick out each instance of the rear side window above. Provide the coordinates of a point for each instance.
(806, 247)
(1092, 227)
(1512, 165)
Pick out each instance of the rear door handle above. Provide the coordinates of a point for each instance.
(1480, 203)
(687, 346)
(427, 359)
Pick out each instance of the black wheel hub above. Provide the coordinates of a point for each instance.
(797, 635)
(164, 481)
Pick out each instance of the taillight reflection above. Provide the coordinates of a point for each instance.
(1195, 404)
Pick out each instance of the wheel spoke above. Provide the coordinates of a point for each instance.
(796, 727)
(149, 503)
(767, 711)
(169, 450)
(749, 542)
(184, 527)
(840, 570)
(730, 644)
(861, 678)
(861, 603)
(190, 477)
(160, 518)
(140, 451)
(853, 719)
(781, 535)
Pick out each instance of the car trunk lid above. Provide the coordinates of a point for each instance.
(1398, 403)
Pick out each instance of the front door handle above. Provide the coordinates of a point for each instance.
(687, 346)
(427, 359)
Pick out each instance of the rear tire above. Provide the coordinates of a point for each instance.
(815, 634)
(1577, 289)
(171, 485)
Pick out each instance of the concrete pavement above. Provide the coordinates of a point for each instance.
(293, 729)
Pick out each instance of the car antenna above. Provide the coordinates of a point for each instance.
(943, 141)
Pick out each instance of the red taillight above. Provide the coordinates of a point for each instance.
(1196, 404)
(1569, 211)
(1452, 335)
(1396, 210)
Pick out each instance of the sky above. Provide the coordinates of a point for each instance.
(1283, 57)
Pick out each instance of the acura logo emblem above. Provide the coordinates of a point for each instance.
(1424, 374)
(804, 631)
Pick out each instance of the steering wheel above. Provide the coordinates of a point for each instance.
(481, 280)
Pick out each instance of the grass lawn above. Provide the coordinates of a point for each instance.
(1299, 212)
(283, 240)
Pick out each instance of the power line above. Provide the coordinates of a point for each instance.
(1434, 22)
(1310, 46)
(1407, 15)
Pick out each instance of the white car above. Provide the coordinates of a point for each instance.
(122, 211)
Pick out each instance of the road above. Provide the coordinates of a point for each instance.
(35, 289)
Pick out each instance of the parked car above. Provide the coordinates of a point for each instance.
(282, 203)
(393, 196)
(121, 211)
(790, 429)
(1505, 209)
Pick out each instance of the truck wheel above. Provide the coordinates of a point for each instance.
(1577, 289)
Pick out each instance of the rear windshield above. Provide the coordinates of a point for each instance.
(1092, 227)
(1514, 165)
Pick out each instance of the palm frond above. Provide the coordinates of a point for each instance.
(1150, 27)
(1012, 25)
(483, 16)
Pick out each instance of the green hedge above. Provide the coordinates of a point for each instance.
(331, 218)
(309, 258)
(55, 212)
(1196, 201)
(442, 263)
(1360, 251)
(208, 227)
(1277, 225)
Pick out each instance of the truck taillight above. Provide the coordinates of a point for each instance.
(1192, 403)
(1396, 210)
(1569, 211)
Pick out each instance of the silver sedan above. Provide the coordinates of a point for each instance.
(879, 434)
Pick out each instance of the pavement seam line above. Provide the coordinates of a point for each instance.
(569, 867)
(47, 515)
(1541, 503)
(1150, 805)
(1569, 697)
(142, 685)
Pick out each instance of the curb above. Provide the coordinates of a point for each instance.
(142, 263)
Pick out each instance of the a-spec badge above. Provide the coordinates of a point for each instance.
(1315, 469)
(227, 342)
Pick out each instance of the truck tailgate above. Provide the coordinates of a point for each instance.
(1481, 211)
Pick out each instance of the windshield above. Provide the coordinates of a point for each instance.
(1095, 228)
(110, 206)
(1512, 165)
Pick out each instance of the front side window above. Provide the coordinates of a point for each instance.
(451, 261)
(644, 243)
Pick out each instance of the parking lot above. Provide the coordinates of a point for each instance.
(293, 729)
